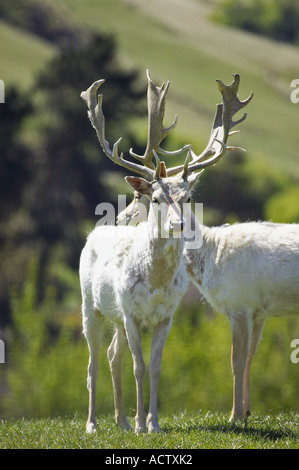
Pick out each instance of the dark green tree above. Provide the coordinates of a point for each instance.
(230, 192)
(69, 164)
(41, 18)
(277, 19)
(50, 192)
(15, 175)
(14, 161)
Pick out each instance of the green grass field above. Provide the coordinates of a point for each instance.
(47, 383)
(184, 431)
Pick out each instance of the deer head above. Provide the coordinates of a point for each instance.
(156, 179)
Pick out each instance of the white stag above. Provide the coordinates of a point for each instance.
(134, 276)
(249, 271)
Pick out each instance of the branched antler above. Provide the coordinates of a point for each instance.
(97, 119)
(156, 131)
(221, 130)
(215, 150)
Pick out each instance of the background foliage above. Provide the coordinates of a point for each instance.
(277, 19)
(47, 369)
(52, 176)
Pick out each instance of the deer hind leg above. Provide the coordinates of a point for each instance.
(92, 329)
(160, 334)
(241, 337)
(257, 331)
(115, 355)
(134, 340)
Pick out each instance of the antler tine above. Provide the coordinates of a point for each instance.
(222, 125)
(156, 131)
(231, 104)
(97, 119)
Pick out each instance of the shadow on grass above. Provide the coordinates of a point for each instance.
(258, 430)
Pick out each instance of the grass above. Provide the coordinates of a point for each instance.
(22, 56)
(183, 431)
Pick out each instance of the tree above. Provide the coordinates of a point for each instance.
(277, 19)
(42, 18)
(70, 162)
(15, 175)
(65, 161)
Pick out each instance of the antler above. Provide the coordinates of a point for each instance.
(156, 131)
(222, 125)
(97, 119)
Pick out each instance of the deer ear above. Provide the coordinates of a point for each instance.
(139, 184)
(163, 172)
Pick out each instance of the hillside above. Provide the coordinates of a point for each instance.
(22, 55)
(176, 40)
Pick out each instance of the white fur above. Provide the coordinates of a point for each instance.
(249, 271)
(134, 278)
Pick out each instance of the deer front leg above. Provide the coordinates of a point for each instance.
(241, 335)
(134, 340)
(115, 355)
(160, 334)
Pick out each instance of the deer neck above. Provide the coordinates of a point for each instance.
(165, 254)
(197, 258)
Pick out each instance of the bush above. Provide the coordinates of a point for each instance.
(277, 19)
(283, 206)
(42, 18)
(47, 363)
(43, 367)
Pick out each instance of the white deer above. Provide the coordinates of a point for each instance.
(134, 276)
(249, 271)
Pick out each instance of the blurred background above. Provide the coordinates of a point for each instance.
(53, 174)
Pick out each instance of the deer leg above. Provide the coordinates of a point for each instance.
(134, 340)
(160, 334)
(257, 332)
(115, 355)
(241, 333)
(92, 328)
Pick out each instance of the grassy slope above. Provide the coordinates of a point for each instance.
(176, 41)
(184, 431)
(22, 55)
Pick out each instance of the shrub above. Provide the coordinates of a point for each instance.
(283, 206)
(46, 370)
(277, 19)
